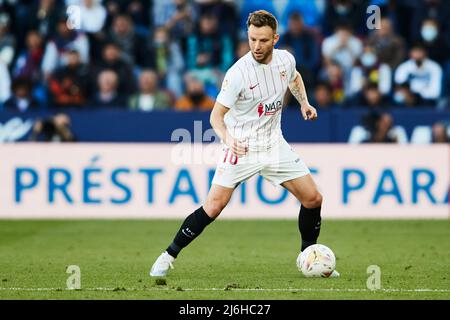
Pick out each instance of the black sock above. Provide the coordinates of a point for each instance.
(309, 225)
(192, 226)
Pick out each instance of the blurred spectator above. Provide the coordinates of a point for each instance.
(173, 37)
(225, 12)
(437, 44)
(21, 99)
(163, 11)
(338, 12)
(439, 133)
(5, 82)
(45, 16)
(207, 48)
(434, 42)
(380, 128)
(108, 96)
(53, 129)
(368, 70)
(7, 41)
(150, 97)
(306, 8)
(28, 63)
(166, 58)
(405, 17)
(323, 96)
(133, 45)
(247, 7)
(370, 97)
(20, 12)
(58, 48)
(139, 11)
(404, 97)
(389, 47)
(303, 44)
(242, 49)
(424, 75)
(209, 52)
(112, 61)
(92, 14)
(195, 97)
(333, 75)
(438, 10)
(342, 47)
(69, 84)
(179, 22)
(113, 8)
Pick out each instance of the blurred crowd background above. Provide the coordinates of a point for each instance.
(172, 54)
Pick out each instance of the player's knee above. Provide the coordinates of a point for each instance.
(314, 201)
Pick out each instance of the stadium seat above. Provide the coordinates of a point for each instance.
(358, 135)
(421, 135)
(402, 136)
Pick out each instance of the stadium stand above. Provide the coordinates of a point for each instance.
(143, 56)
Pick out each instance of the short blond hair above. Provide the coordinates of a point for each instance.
(261, 18)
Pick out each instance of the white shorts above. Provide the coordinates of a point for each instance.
(277, 165)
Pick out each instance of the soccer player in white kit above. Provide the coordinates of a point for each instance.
(247, 117)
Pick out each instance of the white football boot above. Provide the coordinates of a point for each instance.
(162, 265)
(335, 274)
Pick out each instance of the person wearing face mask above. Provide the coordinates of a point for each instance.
(195, 97)
(403, 97)
(423, 74)
(368, 70)
(437, 48)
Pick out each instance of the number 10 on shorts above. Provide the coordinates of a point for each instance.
(232, 158)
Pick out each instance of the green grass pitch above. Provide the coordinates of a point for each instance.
(232, 259)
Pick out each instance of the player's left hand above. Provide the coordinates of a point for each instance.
(308, 112)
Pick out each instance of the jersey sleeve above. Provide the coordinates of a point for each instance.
(231, 88)
(292, 68)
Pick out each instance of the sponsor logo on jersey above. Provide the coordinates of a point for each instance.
(269, 109)
(260, 109)
(272, 108)
(283, 74)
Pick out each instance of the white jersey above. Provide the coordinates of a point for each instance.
(254, 93)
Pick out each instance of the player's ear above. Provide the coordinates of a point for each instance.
(276, 37)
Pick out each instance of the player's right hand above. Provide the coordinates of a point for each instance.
(239, 148)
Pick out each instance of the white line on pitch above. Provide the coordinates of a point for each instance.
(231, 289)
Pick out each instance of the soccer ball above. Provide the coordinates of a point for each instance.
(316, 260)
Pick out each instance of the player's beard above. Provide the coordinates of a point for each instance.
(263, 57)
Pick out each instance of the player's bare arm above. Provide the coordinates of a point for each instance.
(218, 124)
(298, 90)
